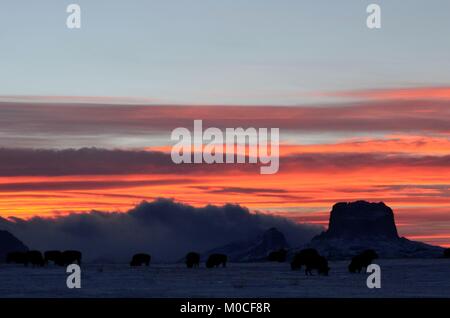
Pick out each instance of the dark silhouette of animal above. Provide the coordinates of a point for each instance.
(30, 257)
(53, 256)
(447, 253)
(320, 264)
(34, 258)
(215, 260)
(311, 259)
(17, 258)
(362, 260)
(70, 257)
(300, 259)
(192, 259)
(140, 259)
(277, 256)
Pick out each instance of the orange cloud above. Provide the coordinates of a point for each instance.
(408, 144)
(408, 167)
(414, 93)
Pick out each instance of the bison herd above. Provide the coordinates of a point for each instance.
(35, 258)
(308, 258)
(311, 260)
(192, 260)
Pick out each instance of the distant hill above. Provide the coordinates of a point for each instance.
(252, 250)
(9, 243)
(356, 226)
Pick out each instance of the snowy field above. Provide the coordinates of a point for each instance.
(400, 278)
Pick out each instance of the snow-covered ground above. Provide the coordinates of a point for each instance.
(399, 278)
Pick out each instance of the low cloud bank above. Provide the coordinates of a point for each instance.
(164, 228)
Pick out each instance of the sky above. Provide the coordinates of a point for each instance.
(220, 52)
(86, 115)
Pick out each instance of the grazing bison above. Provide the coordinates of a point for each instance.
(17, 258)
(30, 257)
(140, 259)
(192, 259)
(277, 256)
(34, 258)
(311, 259)
(70, 257)
(301, 258)
(53, 256)
(215, 260)
(320, 263)
(362, 260)
(447, 253)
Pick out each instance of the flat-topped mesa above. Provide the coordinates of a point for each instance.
(358, 226)
(361, 219)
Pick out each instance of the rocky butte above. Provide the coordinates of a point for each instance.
(360, 225)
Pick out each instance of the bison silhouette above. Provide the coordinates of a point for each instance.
(300, 259)
(311, 259)
(192, 259)
(362, 260)
(17, 258)
(70, 257)
(215, 260)
(53, 256)
(277, 256)
(34, 258)
(447, 253)
(140, 259)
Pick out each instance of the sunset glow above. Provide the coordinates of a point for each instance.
(396, 152)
